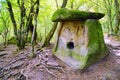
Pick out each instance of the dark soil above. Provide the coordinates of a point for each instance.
(17, 65)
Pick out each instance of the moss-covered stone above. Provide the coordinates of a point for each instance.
(97, 49)
(88, 41)
(70, 14)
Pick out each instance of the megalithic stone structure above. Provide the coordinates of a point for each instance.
(80, 41)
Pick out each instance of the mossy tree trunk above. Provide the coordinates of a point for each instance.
(108, 7)
(29, 23)
(117, 16)
(52, 31)
(12, 17)
(18, 33)
(35, 27)
(21, 31)
(26, 25)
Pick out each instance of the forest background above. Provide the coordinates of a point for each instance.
(29, 21)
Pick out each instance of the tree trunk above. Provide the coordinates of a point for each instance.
(117, 16)
(64, 3)
(52, 31)
(56, 3)
(50, 35)
(72, 4)
(60, 30)
(21, 32)
(34, 29)
(29, 24)
(12, 17)
(108, 4)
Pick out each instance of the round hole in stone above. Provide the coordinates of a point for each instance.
(70, 45)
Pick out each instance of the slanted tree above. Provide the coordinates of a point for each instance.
(12, 17)
(54, 27)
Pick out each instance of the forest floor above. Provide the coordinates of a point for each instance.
(17, 65)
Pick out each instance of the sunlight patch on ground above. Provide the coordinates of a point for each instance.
(118, 53)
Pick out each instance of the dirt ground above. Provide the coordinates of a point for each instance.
(17, 65)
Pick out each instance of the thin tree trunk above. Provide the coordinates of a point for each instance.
(12, 17)
(30, 17)
(21, 31)
(50, 35)
(108, 4)
(60, 29)
(117, 16)
(110, 15)
(29, 24)
(64, 3)
(72, 4)
(56, 3)
(35, 27)
(52, 31)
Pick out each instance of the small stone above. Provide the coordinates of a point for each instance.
(52, 63)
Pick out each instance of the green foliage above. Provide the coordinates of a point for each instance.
(4, 19)
(75, 4)
(48, 7)
(4, 25)
(12, 40)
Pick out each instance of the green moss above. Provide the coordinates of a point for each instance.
(93, 27)
(70, 14)
(66, 53)
(82, 59)
(12, 40)
(97, 48)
